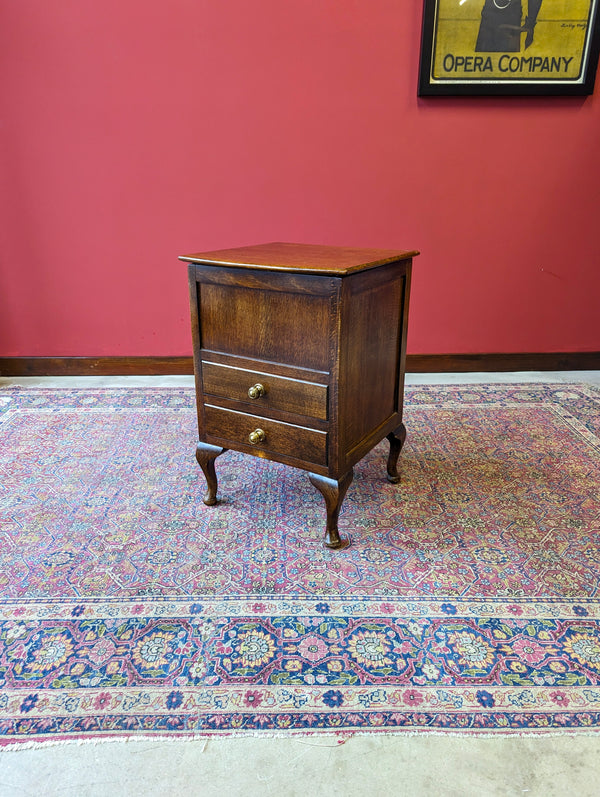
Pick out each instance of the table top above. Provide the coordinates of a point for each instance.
(305, 258)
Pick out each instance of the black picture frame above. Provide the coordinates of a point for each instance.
(546, 56)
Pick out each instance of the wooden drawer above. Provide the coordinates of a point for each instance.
(280, 393)
(300, 442)
(266, 319)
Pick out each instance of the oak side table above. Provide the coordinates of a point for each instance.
(299, 357)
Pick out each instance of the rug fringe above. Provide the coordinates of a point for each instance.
(302, 737)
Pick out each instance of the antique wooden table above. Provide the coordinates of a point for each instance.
(299, 357)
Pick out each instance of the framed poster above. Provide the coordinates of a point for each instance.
(481, 47)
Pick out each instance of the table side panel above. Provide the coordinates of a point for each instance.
(403, 339)
(370, 359)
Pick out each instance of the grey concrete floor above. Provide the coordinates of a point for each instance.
(589, 377)
(363, 765)
(319, 766)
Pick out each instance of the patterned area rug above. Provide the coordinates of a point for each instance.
(468, 600)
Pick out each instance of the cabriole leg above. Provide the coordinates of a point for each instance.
(333, 491)
(206, 455)
(396, 438)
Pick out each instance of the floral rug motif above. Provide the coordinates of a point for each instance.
(468, 600)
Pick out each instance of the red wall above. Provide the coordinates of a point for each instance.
(133, 131)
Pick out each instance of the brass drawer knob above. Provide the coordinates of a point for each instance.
(257, 436)
(256, 391)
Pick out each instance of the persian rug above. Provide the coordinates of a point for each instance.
(467, 602)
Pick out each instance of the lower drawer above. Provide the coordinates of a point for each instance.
(286, 439)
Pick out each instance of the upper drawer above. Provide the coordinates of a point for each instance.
(280, 393)
(273, 325)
